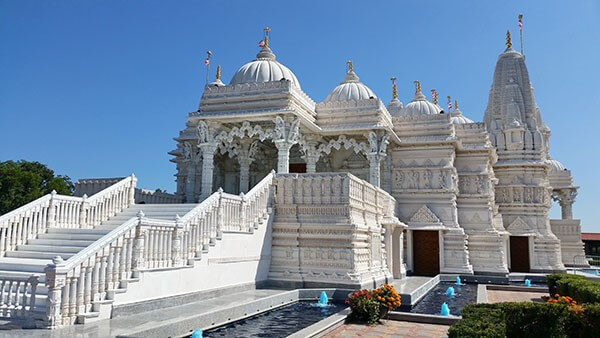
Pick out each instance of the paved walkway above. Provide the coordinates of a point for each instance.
(390, 328)
(498, 296)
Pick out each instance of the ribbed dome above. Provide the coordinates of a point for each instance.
(555, 166)
(457, 117)
(263, 69)
(420, 106)
(349, 90)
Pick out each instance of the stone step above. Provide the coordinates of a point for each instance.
(23, 274)
(24, 264)
(50, 248)
(78, 231)
(70, 236)
(59, 242)
(38, 254)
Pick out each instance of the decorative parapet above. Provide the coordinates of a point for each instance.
(145, 196)
(330, 228)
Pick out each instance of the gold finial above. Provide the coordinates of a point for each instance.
(267, 30)
(434, 96)
(350, 66)
(508, 42)
(394, 88)
(418, 87)
(218, 72)
(455, 104)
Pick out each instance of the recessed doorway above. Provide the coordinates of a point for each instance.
(519, 254)
(426, 252)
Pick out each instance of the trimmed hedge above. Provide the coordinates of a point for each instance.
(526, 320)
(575, 286)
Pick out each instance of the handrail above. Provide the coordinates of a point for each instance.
(143, 243)
(90, 250)
(25, 207)
(101, 193)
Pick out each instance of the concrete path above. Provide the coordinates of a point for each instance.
(390, 328)
(499, 296)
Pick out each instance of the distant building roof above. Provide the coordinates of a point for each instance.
(590, 236)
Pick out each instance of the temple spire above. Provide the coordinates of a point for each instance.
(434, 96)
(455, 104)
(350, 66)
(394, 88)
(417, 86)
(267, 30)
(508, 41)
(218, 72)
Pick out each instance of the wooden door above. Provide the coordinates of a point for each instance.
(426, 253)
(519, 254)
(299, 168)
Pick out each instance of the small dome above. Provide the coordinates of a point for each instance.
(420, 106)
(555, 166)
(456, 117)
(350, 90)
(263, 69)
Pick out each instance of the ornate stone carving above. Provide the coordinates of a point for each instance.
(424, 215)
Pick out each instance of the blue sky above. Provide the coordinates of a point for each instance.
(100, 88)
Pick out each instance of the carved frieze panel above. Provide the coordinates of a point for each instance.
(522, 195)
(424, 179)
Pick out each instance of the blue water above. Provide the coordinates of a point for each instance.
(432, 302)
(280, 322)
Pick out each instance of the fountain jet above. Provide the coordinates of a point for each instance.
(323, 299)
(450, 292)
(445, 310)
(527, 282)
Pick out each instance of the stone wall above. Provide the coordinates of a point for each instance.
(329, 230)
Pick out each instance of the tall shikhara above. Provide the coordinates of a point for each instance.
(521, 138)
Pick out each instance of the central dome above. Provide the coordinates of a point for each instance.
(350, 90)
(263, 69)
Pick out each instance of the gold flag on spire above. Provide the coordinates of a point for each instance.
(218, 72)
(508, 42)
(394, 88)
(417, 86)
(350, 66)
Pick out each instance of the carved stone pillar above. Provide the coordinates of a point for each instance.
(283, 156)
(190, 183)
(208, 155)
(374, 169)
(566, 198)
(55, 283)
(286, 136)
(245, 158)
(378, 152)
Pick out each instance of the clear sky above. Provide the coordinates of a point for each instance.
(100, 88)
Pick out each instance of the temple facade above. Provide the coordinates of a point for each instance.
(467, 197)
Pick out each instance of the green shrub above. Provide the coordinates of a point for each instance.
(480, 320)
(527, 319)
(577, 287)
(591, 320)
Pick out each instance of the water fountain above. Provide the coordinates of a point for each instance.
(197, 333)
(458, 281)
(445, 310)
(527, 282)
(323, 300)
(450, 292)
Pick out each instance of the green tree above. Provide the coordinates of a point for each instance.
(22, 182)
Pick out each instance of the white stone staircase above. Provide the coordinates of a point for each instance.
(37, 253)
(77, 253)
